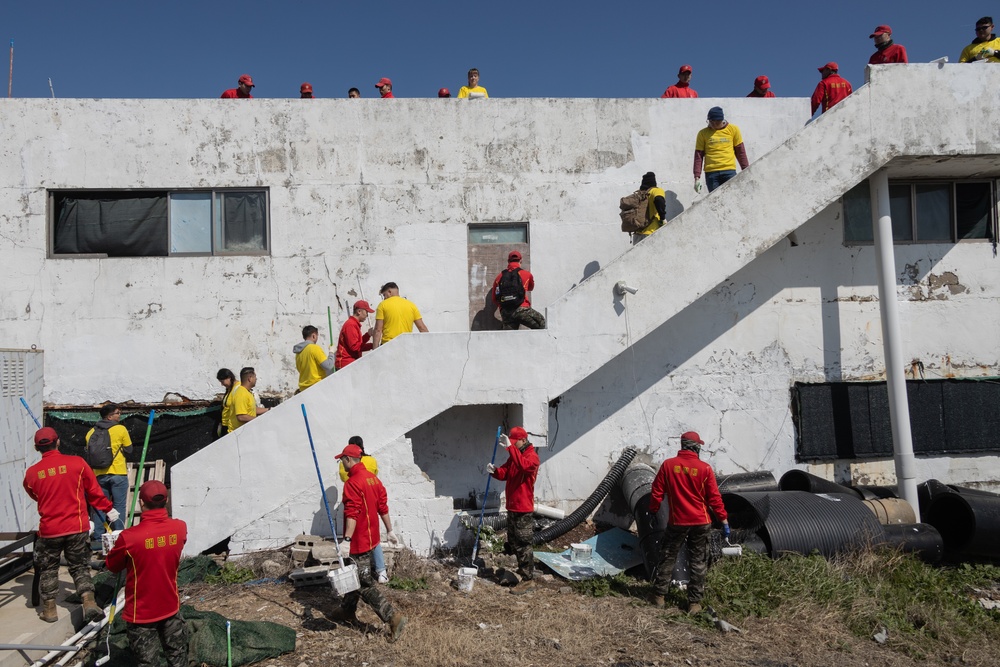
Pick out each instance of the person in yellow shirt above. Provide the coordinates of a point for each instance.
(986, 45)
(312, 362)
(719, 146)
(113, 479)
(395, 316)
(241, 406)
(473, 90)
(656, 207)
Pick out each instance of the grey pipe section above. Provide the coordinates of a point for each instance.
(637, 487)
(39, 647)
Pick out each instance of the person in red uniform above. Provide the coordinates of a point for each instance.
(683, 86)
(519, 311)
(691, 491)
(150, 553)
(306, 91)
(242, 90)
(365, 502)
(519, 473)
(63, 486)
(352, 342)
(384, 86)
(761, 87)
(831, 89)
(887, 51)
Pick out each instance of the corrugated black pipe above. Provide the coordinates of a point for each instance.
(637, 486)
(969, 524)
(745, 482)
(800, 480)
(612, 480)
(496, 521)
(922, 539)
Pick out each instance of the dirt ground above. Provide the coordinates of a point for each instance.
(556, 624)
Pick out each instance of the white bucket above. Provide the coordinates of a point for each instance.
(733, 550)
(466, 578)
(108, 541)
(344, 580)
(581, 553)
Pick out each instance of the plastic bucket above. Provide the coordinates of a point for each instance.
(581, 553)
(466, 578)
(344, 580)
(108, 541)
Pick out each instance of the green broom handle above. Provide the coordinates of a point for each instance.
(142, 467)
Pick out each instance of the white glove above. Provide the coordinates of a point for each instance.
(393, 538)
(490, 468)
(504, 441)
(697, 185)
(345, 548)
(113, 515)
(986, 53)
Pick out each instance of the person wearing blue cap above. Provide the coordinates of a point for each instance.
(718, 148)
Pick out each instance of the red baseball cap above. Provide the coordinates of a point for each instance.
(685, 68)
(444, 92)
(514, 256)
(830, 65)
(881, 30)
(46, 436)
(363, 304)
(152, 490)
(351, 450)
(691, 436)
(306, 88)
(762, 82)
(384, 81)
(517, 433)
(245, 78)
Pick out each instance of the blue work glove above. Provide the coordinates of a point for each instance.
(725, 529)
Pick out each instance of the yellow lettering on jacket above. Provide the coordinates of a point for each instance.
(149, 542)
(161, 540)
(173, 539)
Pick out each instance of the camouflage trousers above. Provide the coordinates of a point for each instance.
(697, 541)
(46, 557)
(529, 317)
(520, 535)
(369, 591)
(146, 639)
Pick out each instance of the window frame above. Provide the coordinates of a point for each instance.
(217, 232)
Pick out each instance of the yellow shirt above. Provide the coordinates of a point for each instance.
(308, 362)
(119, 440)
(465, 90)
(719, 147)
(239, 402)
(651, 213)
(397, 315)
(370, 463)
(970, 52)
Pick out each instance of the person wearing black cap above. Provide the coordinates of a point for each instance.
(656, 206)
(985, 47)
(510, 294)
(63, 486)
(831, 89)
(718, 147)
(887, 50)
(150, 552)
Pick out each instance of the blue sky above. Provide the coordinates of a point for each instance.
(588, 48)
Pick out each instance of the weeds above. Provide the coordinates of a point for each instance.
(408, 584)
(618, 585)
(231, 574)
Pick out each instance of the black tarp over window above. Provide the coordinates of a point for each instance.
(117, 224)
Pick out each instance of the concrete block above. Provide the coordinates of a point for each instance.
(308, 541)
(309, 576)
(325, 553)
(300, 554)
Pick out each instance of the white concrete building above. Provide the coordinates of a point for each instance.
(265, 213)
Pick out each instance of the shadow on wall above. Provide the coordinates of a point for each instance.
(487, 319)
(321, 522)
(672, 204)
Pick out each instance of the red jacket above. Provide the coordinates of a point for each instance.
(235, 93)
(520, 472)
(149, 552)
(690, 487)
(894, 53)
(754, 93)
(365, 501)
(679, 90)
(63, 486)
(526, 278)
(830, 91)
(351, 343)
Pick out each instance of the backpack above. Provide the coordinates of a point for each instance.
(510, 290)
(634, 211)
(98, 453)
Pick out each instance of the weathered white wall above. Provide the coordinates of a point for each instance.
(20, 377)
(722, 325)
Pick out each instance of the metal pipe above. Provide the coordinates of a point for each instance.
(899, 409)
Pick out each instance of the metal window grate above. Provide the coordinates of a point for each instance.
(11, 377)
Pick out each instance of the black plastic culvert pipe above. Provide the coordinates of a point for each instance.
(800, 480)
(745, 482)
(922, 539)
(611, 480)
(637, 486)
(969, 523)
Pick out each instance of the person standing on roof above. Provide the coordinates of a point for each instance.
(444, 92)
(354, 94)
(986, 45)
(384, 86)
(311, 361)
(365, 502)
(150, 553)
(691, 492)
(887, 51)
(63, 486)
(510, 295)
(112, 437)
(306, 91)
(656, 207)
(473, 90)
(683, 86)
(241, 405)
(242, 90)
(351, 342)
(395, 316)
(761, 87)
(831, 89)
(519, 473)
(719, 147)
